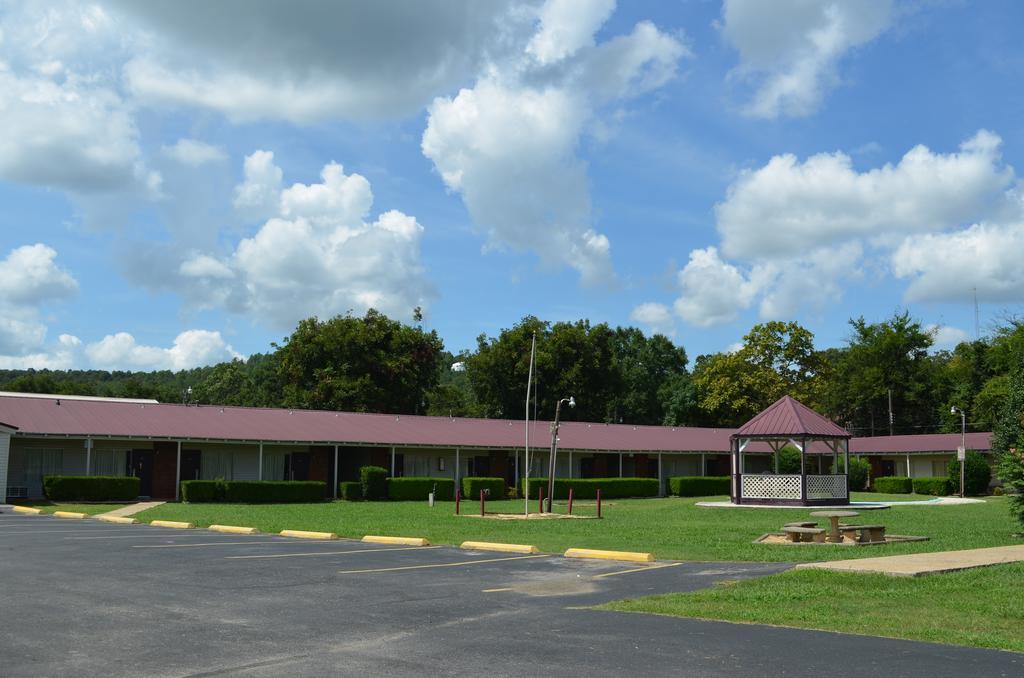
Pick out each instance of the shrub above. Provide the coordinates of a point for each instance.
(350, 490)
(273, 491)
(858, 474)
(977, 474)
(788, 458)
(998, 491)
(698, 486)
(196, 491)
(374, 480)
(586, 488)
(495, 486)
(894, 485)
(90, 488)
(417, 489)
(937, 486)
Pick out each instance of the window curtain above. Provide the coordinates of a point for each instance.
(273, 465)
(39, 463)
(108, 462)
(217, 465)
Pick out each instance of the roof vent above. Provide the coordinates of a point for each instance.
(58, 402)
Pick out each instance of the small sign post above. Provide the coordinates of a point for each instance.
(961, 455)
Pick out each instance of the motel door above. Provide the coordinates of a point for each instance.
(191, 464)
(298, 466)
(140, 465)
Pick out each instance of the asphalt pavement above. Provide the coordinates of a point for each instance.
(85, 598)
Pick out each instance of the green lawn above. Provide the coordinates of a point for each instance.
(671, 528)
(90, 509)
(979, 608)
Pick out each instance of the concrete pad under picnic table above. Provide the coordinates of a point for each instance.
(917, 564)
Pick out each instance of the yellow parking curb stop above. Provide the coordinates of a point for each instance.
(172, 523)
(404, 541)
(71, 515)
(28, 510)
(496, 546)
(303, 534)
(233, 529)
(632, 556)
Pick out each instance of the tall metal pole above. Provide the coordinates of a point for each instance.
(526, 456)
(963, 444)
(554, 448)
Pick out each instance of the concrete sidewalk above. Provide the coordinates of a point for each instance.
(918, 564)
(132, 509)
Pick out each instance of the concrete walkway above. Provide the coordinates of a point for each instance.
(917, 564)
(132, 509)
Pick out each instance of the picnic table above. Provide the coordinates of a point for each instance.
(835, 536)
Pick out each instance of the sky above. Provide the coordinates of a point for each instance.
(181, 183)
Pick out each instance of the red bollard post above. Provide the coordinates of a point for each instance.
(570, 501)
(482, 500)
(540, 500)
(598, 502)
(458, 496)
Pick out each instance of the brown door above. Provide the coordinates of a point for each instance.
(191, 465)
(140, 465)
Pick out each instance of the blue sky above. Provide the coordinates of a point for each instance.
(180, 183)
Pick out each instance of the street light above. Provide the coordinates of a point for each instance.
(963, 443)
(554, 447)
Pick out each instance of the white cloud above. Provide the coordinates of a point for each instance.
(192, 348)
(306, 61)
(949, 266)
(509, 145)
(946, 337)
(809, 281)
(566, 26)
(712, 291)
(259, 194)
(789, 206)
(29, 278)
(790, 49)
(317, 254)
(656, 317)
(194, 153)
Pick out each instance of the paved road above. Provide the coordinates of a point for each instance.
(90, 599)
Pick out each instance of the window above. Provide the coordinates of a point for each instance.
(273, 465)
(217, 465)
(108, 462)
(41, 462)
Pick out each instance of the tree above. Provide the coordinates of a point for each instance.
(776, 359)
(368, 364)
(226, 384)
(1008, 440)
(890, 356)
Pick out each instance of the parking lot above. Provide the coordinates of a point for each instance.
(86, 598)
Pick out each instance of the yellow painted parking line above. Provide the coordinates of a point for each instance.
(427, 567)
(331, 553)
(636, 569)
(496, 590)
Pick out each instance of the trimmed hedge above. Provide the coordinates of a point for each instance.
(859, 471)
(471, 488)
(893, 485)
(350, 490)
(937, 486)
(586, 488)
(698, 486)
(417, 489)
(374, 480)
(196, 491)
(273, 491)
(90, 488)
(977, 474)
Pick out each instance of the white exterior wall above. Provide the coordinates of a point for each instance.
(5, 448)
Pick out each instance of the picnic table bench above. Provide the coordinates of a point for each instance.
(864, 534)
(798, 534)
(802, 523)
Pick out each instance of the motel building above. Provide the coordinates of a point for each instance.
(163, 443)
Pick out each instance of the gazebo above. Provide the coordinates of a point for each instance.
(756, 480)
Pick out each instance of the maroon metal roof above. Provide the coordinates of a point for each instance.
(36, 416)
(927, 442)
(789, 417)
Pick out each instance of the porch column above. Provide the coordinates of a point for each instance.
(570, 463)
(908, 464)
(392, 462)
(335, 492)
(620, 464)
(703, 464)
(457, 468)
(516, 475)
(88, 456)
(260, 476)
(177, 473)
(661, 486)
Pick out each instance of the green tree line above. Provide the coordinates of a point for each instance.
(372, 363)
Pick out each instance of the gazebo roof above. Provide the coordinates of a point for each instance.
(787, 417)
